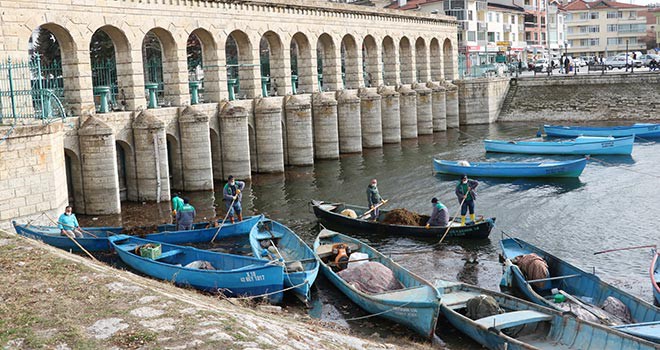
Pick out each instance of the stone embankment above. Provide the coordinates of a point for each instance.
(54, 299)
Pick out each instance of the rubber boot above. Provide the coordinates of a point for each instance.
(472, 218)
(240, 217)
(231, 219)
(462, 220)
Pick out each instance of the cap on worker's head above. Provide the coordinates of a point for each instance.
(231, 177)
(464, 177)
(186, 200)
(434, 200)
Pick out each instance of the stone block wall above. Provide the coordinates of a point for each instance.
(582, 98)
(480, 100)
(32, 172)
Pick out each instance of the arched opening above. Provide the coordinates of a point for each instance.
(203, 79)
(421, 61)
(46, 54)
(195, 58)
(350, 69)
(174, 162)
(405, 57)
(302, 75)
(104, 72)
(253, 148)
(436, 60)
(389, 61)
(370, 61)
(152, 60)
(272, 65)
(326, 58)
(448, 52)
(74, 180)
(216, 155)
(240, 71)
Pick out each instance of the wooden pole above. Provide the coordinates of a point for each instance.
(627, 248)
(455, 216)
(225, 219)
(374, 208)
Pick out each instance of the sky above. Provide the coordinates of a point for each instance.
(640, 2)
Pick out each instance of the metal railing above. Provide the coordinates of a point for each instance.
(30, 90)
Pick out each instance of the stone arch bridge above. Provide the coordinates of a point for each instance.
(361, 77)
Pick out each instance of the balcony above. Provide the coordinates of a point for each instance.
(482, 26)
(482, 5)
(507, 27)
(530, 8)
(531, 24)
(463, 25)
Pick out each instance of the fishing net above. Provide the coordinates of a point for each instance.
(140, 231)
(482, 306)
(371, 277)
(401, 216)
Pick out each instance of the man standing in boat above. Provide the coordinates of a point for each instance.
(232, 196)
(185, 216)
(68, 224)
(374, 198)
(465, 191)
(439, 216)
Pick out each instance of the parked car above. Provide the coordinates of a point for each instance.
(579, 62)
(621, 62)
(646, 59)
(637, 62)
(541, 65)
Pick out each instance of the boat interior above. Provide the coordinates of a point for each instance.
(275, 245)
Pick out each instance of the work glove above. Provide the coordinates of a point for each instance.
(428, 226)
(238, 192)
(235, 197)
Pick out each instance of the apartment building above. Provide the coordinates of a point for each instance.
(604, 28)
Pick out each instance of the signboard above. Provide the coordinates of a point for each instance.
(474, 48)
(504, 43)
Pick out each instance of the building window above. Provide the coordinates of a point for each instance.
(593, 42)
(633, 15)
(614, 14)
(593, 15)
(513, 19)
(543, 36)
(472, 35)
(513, 37)
(490, 16)
(569, 17)
(528, 36)
(536, 36)
(469, 15)
(497, 36)
(481, 36)
(584, 16)
(497, 17)
(612, 28)
(561, 19)
(491, 36)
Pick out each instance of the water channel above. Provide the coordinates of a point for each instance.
(613, 204)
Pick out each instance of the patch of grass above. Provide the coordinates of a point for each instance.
(133, 339)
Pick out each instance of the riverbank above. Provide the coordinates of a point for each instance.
(55, 299)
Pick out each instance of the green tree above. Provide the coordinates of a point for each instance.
(101, 48)
(47, 47)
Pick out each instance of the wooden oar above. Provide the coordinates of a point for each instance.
(374, 208)
(63, 224)
(225, 219)
(590, 309)
(455, 216)
(81, 247)
(356, 260)
(627, 248)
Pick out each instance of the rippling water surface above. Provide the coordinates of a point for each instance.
(615, 203)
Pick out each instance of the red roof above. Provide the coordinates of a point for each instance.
(581, 5)
(412, 4)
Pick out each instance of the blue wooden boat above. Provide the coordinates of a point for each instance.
(300, 264)
(586, 287)
(416, 306)
(655, 277)
(643, 130)
(583, 145)
(234, 275)
(166, 233)
(524, 325)
(571, 168)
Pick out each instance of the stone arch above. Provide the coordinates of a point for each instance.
(238, 51)
(159, 57)
(370, 61)
(125, 170)
(421, 61)
(216, 154)
(350, 68)
(272, 64)
(74, 182)
(389, 62)
(118, 73)
(435, 60)
(326, 57)
(174, 162)
(202, 55)
(406, 69)
(448, 55)
(302, 65)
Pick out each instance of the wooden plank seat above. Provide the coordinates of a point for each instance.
(169, 253)
(512, 319)
(457, 300)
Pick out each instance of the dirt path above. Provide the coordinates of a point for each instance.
(52, 299)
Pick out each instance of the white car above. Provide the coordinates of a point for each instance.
(579, 62)
(646, 59)
(637, 62)
(541, 65)
(621, 62)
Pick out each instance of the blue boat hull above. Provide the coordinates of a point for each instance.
(507, 169)
(532, 326)
(292, 248)
(600, 146)
(416, 307)
(583, 285)
(51, 234)
(639, 130)
(234, 275)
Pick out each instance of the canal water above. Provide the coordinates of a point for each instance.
(614, 203)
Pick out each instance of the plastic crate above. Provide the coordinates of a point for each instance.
(151, 251)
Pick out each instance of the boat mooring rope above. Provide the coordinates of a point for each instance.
(261, 295)
(378, 313)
